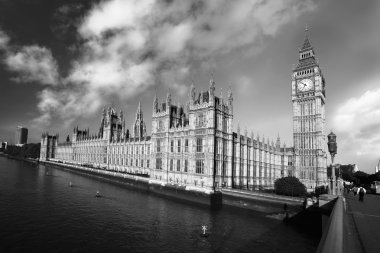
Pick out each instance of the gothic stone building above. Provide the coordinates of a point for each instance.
(194, 144)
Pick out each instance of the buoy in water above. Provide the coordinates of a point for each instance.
(204, 234)
(71, 184)
(97, 194)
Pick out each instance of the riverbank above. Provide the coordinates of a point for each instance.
(181, 193)
(250, 200)
(29, 160)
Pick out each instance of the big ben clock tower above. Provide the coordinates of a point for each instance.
(309, 119)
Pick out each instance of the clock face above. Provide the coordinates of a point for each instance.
(305, 85)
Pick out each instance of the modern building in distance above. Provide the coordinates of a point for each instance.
(21, 136)
(195, 145)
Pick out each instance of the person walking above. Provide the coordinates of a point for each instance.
(361, 192)
(355, 190)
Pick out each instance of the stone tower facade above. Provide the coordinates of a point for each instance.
(48, 146)
(193, 138)
(309, 118)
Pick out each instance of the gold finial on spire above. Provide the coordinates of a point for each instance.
(307, 30)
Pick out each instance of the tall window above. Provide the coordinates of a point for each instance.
(147, 163)
(200, 119)
(186, 164)
(160, 125)
(148, 152)
(199, 144)
(179, 146)
(224, 125)
(158, 164)
(142, 163)
(142, 149)
(171, 164)
(158, 145)
(137, 162)
(171, 146)
(186, 145)
(199, 166)
(178, 165)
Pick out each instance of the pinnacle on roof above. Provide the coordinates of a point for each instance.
(212, 82)
(306, 43)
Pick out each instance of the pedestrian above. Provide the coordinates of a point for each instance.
(361, 192)
(355, 189)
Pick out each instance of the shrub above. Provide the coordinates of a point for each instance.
(290, 186)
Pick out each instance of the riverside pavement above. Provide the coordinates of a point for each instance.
(362, 223)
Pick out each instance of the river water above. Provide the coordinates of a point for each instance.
(41, 213)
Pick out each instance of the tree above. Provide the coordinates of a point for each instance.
(30, 150)
(362, 177)
(290, 186)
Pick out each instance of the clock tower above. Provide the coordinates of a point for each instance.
(309, 118)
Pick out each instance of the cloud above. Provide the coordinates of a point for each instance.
(125, 47)
(33, 64)
(4, 40)
(357, 123)
(30, 63)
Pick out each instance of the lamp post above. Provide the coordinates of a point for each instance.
(333, 151)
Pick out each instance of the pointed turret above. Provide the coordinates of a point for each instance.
(212, 86)
(278, 141)
(306, 54)
(155, 104)
(139, 114)
(230, 99)
(192, 94)
(306, 43)
(168, 101)
(104, 112)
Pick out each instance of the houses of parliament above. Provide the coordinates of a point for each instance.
(195, 144)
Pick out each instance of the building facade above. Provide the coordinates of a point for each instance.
(195, 145)
(21, 136)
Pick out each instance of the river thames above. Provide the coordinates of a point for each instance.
(42, 213)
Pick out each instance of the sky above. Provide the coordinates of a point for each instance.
(62, 61)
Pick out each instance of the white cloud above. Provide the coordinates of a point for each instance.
(128, 46)
(33, 64)
(357, 125)
(30, 63)
(4, 40)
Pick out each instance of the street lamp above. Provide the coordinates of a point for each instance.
(333, 151)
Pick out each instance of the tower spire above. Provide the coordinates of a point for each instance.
(139, 111)
(306, 43)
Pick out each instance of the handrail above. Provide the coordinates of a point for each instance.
(332, 237)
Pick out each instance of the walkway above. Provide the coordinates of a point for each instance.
(362, 224)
